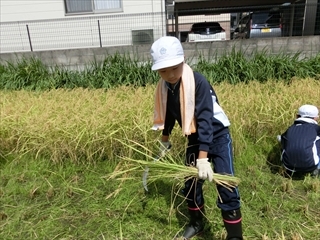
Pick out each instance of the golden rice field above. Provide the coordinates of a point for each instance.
(81, 124)
(96, 127)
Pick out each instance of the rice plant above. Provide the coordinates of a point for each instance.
(60, 147)
(166, 168)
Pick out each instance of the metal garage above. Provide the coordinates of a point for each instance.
(302, 16)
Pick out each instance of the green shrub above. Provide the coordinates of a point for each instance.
(124, 70)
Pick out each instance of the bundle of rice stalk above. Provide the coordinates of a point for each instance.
(164, 169)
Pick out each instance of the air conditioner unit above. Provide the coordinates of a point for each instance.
(142, 36)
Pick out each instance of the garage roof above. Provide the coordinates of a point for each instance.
(193, 7)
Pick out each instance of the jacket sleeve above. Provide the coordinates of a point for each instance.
(204, 113)
(318, 130)
(283, 139)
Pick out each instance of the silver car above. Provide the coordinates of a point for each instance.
(259, 25)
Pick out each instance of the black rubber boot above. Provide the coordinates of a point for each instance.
(232, 223)
(196, 224)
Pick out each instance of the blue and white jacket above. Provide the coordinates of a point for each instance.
(301, 146)
(210, 118)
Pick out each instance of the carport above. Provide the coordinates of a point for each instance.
(178, 8)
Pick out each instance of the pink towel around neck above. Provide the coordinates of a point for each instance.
(187, 102)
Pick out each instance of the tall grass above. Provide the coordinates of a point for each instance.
(239, 66)
(118, 70)
(77, 125)
(57, 145)
(115, 70)
(80, 124)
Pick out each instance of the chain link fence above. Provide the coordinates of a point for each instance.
(81, 32)
(136, 29)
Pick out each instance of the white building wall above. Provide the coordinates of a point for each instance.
(25, 10)
(29, 10)
(43, 24)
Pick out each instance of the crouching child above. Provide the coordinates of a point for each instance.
(300, 143)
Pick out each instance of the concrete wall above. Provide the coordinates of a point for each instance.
(308, 46)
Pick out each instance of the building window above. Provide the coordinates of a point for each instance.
(93, 6)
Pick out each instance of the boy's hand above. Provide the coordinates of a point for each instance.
(204, 169)
(279, 138)
(164, 148)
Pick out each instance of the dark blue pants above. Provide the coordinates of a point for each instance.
(221, 155)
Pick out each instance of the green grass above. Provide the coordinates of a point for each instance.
(119, 70)
(116, 70)
(57, 148)
(43, 200)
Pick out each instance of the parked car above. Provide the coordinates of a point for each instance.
(259, 25)
(206, 31)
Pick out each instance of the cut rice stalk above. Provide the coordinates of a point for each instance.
(166, 170)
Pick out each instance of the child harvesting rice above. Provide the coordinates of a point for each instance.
(301, 143)
(186, 96)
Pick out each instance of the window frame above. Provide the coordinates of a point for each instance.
(93, 11)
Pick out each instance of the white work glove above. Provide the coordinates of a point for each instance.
(204, 169)
(279, 138)
(163, 149)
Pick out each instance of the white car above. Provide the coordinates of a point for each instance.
(206, 31)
